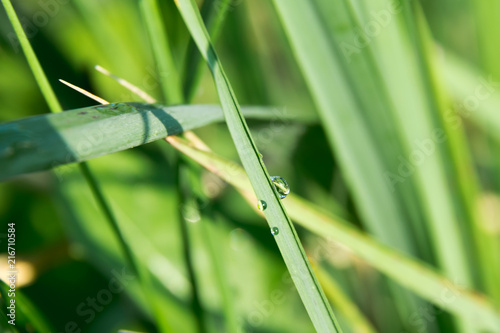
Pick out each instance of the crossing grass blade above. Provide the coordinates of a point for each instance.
(343, 304)
(307, 285)
(171, 88)
(409, 273)
(465, 82)
(213, 13)
(46, 141)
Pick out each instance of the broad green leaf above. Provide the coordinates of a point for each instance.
(46, 141)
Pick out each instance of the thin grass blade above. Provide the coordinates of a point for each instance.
(307, 285)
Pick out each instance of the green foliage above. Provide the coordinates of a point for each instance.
(394, 191)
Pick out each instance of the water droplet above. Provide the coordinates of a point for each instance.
(190, 213)
(262, 205)
(281, 186)
(275, 231)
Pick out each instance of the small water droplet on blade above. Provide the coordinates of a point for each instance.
(275, 231)
(281, 186)
(262, 205)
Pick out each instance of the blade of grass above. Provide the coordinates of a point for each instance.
(46, 141)
(132, 88)
(408, 272)
(213, 245)
(463, 82)
(355, 112)
(152, 18)
(463, 257)
(172, 92)
(213, 13)
(343, 304)
(466, 83)
(187, 200)
(448, 234)
(307, 285)
(33, 62)
(341, 119)
(212, 240)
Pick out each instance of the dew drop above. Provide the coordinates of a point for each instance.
(262, 205)
(281, 186)
(275, 231)
(190, 213)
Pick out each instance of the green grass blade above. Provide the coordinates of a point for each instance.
(213, 13)
(187, 200)
(200, 205)
(172, 93)
(342, 119)
(466, 82)
(307, 285)
(343, 303)
(216, 253)
(33, 62)
(46, 141)
(407, 272)
(169, 77)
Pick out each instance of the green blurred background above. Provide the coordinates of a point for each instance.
(67, 253)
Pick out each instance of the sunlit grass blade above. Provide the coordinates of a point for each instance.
(343, 303)
(172, 94)
(477, 98)
(213, 13)
(168, 74)
(132, 88)
(461, 179)
(352, 101)
(407, 272)
(46, 141)
(477, 94)
(187, 201)
(33, 62)
(307, 285)
(199, 206)
(342, 119)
